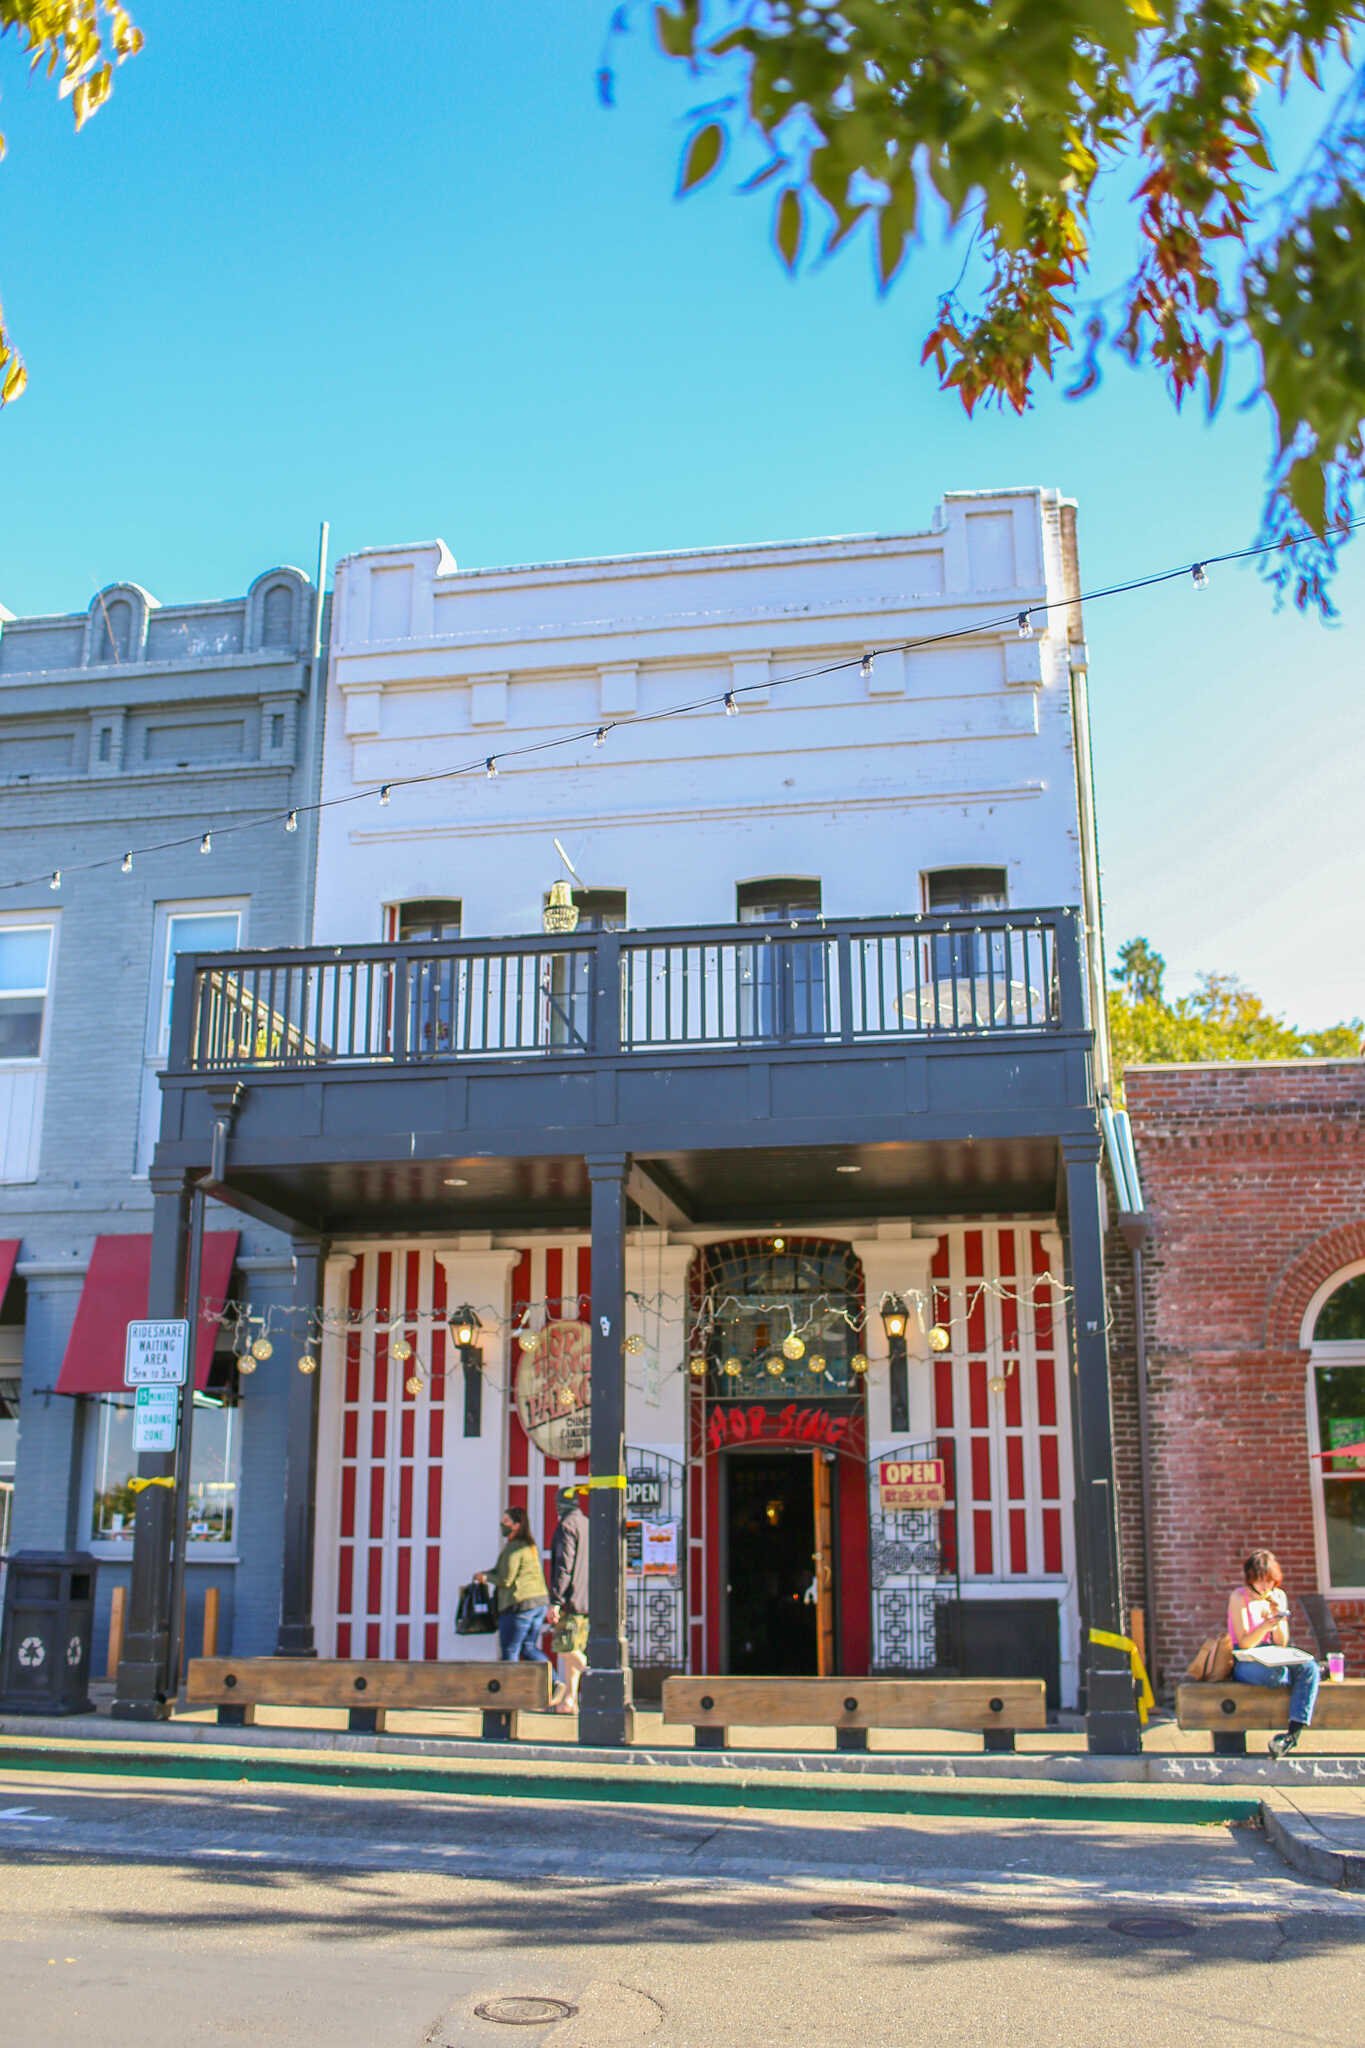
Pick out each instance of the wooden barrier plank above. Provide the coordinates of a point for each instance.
(1220, 1708)
(358, 1683)
(969, 1705)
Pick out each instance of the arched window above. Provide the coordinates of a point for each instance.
(114, 633)
(277, 617)
(760, 1293)
(1337, 1425)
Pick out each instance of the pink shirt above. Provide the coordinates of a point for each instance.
(1247, 1610)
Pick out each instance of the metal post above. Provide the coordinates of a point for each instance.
(142, 1689)
(294, 1637)
(184, 1448)
(606, 1716)
(1111, 1714)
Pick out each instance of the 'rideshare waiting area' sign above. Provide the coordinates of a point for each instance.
(157, 1355)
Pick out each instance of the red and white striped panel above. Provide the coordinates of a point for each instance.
(1012, 1449)
(554, 1283)
(388, 1593)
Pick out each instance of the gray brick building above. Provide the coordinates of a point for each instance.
(136, 728)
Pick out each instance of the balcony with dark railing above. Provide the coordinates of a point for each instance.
(366, 1070)
(619, 994)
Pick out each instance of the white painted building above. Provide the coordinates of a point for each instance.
(951, 775)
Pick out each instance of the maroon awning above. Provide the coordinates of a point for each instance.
(9, 1252)
(115, 1294)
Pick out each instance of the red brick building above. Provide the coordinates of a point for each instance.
(1253, 1300)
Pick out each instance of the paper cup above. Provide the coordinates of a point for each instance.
(1336, 1665)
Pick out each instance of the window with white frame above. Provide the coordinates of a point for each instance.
(215, 1467)
(215, 926)
(1336, 1399)
(25, 963)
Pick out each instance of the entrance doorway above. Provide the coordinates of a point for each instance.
(779, 1563)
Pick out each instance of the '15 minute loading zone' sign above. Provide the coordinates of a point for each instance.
(157, 1354)
(912, 1483)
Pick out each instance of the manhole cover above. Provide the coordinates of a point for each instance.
(1151, 1926)
(525, 2012)
(853, 1913)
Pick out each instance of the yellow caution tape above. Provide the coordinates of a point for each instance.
(1146, 1697)
(612, 1481)
(136, 1485)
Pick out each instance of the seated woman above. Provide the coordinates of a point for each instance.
(1258, 1622)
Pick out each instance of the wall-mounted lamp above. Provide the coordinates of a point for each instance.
(464, 1331)
(895, 1321)
(560, 914)
(895, 1315)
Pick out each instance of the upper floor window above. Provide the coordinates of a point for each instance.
(779, 899)
(1337, 1404)
(189, 931)
(952, 889)
(25, 961)
(600, 910)
(427, 917)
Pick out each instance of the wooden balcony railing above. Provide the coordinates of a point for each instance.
(611, 994)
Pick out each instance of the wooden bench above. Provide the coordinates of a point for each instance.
(995, 1708)
(368, 1691)
(1227, 1711)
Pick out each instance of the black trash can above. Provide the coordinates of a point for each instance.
(46, 1633)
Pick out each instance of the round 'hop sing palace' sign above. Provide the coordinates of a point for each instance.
(554, 1390)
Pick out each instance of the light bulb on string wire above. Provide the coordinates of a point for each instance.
(291, 823)
(1024, 622)
(56, 881)
(126, 864)
(731, 708)
(490, 767)
(599, 738)
(1199, 576)
(206, 843)
(385, 792)
(865, 668)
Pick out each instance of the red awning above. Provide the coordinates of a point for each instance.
(115, 1294)
(1343, 1451)
(9, 1252)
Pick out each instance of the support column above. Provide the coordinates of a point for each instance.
(606, 1716)
(143, 1689)
(1111, 1714)
(294, 1637)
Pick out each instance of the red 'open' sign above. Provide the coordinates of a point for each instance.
(912, 1483)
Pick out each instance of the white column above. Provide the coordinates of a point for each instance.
(336, 1288)
(474, 1487)
(897, 1261)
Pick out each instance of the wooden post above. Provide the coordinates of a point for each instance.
(117, 1608)
(1137, 1629)
(210, 1648)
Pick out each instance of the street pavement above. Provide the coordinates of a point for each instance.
(230, 1914)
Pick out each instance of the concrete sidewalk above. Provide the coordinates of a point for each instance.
(1320, 1832)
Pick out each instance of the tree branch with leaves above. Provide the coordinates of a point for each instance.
(1013, 115)
(79, 42)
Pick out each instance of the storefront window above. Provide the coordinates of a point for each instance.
(214, 1473)
(1339, 1403)
(761, 1292)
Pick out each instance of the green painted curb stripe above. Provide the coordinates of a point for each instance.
(1151, 1805)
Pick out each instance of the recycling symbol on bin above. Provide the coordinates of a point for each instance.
(32, 1652)
(73, 1652)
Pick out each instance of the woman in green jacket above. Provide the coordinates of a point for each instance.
(521, 1593)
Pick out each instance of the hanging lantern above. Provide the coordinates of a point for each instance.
(793, 1346)
(414, 1383)
(634, 1345)
(566, 1397)
(308, 1363)
(246, 1363)
(400, 1350)
(465, 1327)
(998, 1383)
(775, 1367)
(939, 1338)
(858, 1363)
(817, 1362)
(262, 1348)
(560, 914)
(697, 1367)
(733, 1367)
(529, 1341)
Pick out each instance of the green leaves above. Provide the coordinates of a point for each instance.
(702, 157)
(1014, 113)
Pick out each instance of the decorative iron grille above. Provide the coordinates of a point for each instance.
(656, 1602)
(914, 1600)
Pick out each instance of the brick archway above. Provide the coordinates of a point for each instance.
(1299, 1281)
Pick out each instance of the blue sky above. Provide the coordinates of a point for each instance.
(400, 270)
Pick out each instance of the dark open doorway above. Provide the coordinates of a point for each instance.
(770, 1562)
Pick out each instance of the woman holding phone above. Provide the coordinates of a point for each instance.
(1258, 1623)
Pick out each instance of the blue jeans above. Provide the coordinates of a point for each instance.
(1303, 1681)
(519, 1635)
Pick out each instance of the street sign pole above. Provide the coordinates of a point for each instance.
(180, 1515)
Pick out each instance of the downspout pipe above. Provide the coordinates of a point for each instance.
(1137, 1230)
